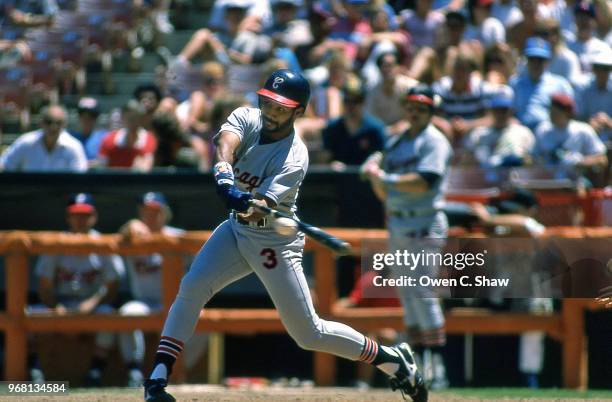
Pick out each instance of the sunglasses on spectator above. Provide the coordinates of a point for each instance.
(50, 121)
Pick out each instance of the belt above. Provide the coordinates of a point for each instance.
(418, 234)
(413, 213)
(262, 223)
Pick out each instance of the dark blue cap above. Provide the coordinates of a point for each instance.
(81, 203)
(501, 101)
(153, 199)
(585, 7)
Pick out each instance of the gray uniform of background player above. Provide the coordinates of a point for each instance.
(276, 171)
(78, 277)
(144, 272)
(429, 152)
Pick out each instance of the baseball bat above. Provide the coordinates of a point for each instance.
(337, 245)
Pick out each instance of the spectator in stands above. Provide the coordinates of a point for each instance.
(27, 13)
(194, 113)
(145, 279)
(131, 146)
(314, 53)
(327, 97)
(150, 97)
(423, 24)
(463, 95)
(518, 33)
(49, 149)
(81, 284)
(565, 142)
(87, 133)
(484, 28)
(175, 148)
(351, 138)
(384, 100)
(586, 43)
(506, 12)
(237, 41)
(504, 143)
(564, 62)
(534, 86)
(288, 30)
(498, 65)
(593, 101)
(13, 53)
(351, 26)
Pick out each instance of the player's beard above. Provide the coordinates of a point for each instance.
(275, 126)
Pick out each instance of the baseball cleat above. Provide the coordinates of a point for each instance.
(408, 379)
(155, 391)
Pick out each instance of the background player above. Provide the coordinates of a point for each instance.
(82, 284)
(261, 158)
(144, 271)
(408, 178)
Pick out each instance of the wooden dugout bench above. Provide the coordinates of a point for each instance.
(566, 326)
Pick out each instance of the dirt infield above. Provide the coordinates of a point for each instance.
(209, 393)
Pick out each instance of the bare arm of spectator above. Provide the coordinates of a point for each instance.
(30, 20)
(603, 16)
(200, 40)
(143, 163)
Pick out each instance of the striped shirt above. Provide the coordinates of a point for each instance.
(468, 105)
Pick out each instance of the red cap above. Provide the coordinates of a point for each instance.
(485, 3)
(278, 98)
(420, 99)
(563, 100)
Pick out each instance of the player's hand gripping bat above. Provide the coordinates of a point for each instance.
(338, 246)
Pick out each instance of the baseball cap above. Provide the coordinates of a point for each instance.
(501, 101)
(563, 100)
(88, 104)
(537, 47)
(294, 3)
(154, 199)
(81, 203)
(585, 7)
(602, 58)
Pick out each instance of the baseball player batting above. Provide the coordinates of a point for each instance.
(408, 178)
(260, 158)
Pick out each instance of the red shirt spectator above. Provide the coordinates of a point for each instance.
(131, 146)
(121, 149)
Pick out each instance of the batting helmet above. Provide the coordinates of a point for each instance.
(422, 94)
(287, 88)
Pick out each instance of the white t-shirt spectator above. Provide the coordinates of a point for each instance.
(29, 154)
(566, 64)
(508, 14)
(584, 50)
(490, 32)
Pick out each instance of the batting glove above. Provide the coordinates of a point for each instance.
(234, 198)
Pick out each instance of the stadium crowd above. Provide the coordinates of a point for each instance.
(516, 83)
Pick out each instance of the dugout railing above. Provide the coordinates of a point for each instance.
(566, 326)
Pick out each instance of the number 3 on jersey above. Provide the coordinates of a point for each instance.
(271, 261)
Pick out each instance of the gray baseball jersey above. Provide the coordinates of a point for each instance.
(416, 215)
(236, 249)
(145, 272)
(78, 277)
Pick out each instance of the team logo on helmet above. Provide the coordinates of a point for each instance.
(277, 82)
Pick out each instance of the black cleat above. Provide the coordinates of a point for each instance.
(408, 379)
(155, 391)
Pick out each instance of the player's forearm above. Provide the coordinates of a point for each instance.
(408, 182)
(226, 147)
